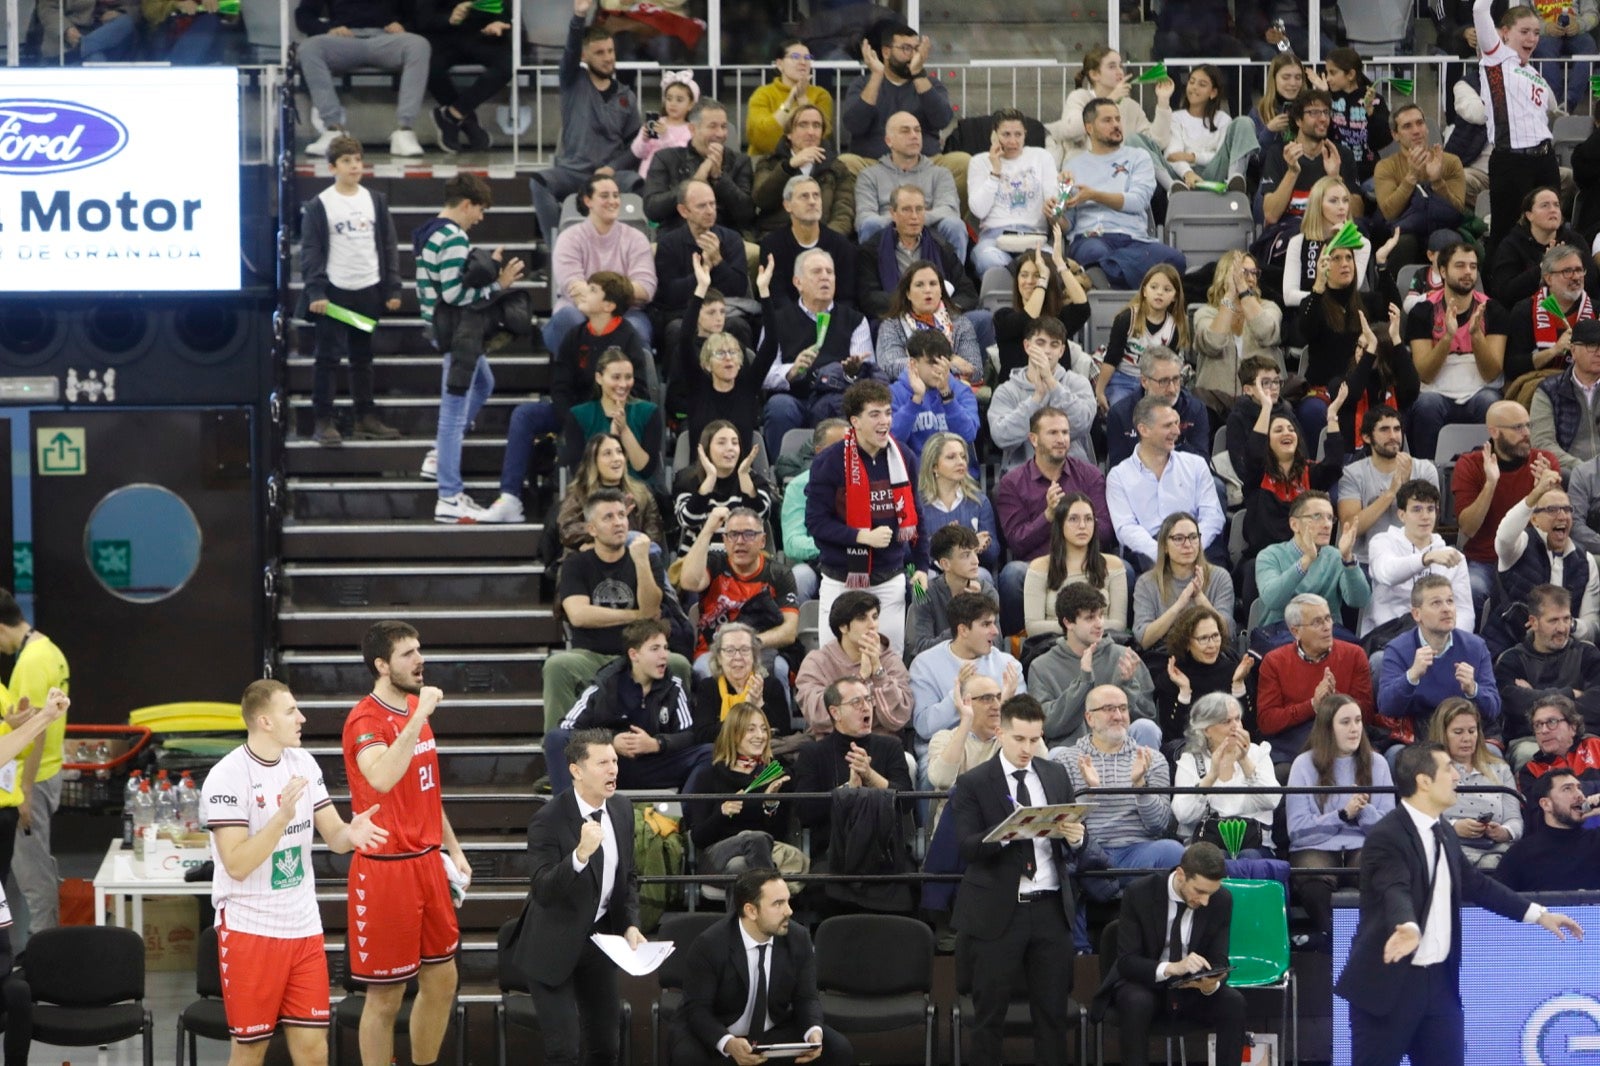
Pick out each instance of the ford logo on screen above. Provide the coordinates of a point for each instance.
(51, 136)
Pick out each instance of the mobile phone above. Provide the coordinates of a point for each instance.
(650, 119)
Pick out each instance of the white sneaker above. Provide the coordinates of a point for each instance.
(459, 509)
(404, 142)
(507, 508)
(319, 147)
(430, 465)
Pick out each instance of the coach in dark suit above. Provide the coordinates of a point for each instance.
(1403, 979)
(1014, 907)
(724, 993)
(580, 850)
(1173, 925)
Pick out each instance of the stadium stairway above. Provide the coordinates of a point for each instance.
(359, 544)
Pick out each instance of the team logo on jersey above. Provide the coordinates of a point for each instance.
(364, 737)
(287, 869)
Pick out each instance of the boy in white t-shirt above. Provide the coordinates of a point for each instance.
(261, 803)
(349, 256)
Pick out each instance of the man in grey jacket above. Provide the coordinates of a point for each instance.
(904, 164)
(599, 118)
(1062, 677)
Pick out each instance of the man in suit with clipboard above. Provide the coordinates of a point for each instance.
(754, 964)
(1175, 925)
(580, 850)
(1014, 908)
(1403, 978)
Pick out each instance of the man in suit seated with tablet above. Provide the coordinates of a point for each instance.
(1172, 957)
(750, 987)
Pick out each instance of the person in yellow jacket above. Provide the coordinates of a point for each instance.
(773, 105)
(30, 784)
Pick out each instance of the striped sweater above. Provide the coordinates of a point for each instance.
(441, 247)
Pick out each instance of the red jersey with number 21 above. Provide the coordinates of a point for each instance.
(411, 811)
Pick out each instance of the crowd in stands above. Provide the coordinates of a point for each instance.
(1310, 502)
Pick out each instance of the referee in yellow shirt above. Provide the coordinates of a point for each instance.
(30, 785)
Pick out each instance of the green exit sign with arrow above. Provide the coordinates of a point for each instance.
(59, 451)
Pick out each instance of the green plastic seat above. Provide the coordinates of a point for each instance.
(1258, 951)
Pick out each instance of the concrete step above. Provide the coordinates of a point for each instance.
(462, 716)
(481, 808)
(340, 627)
(512, 226)
(399, 334)
(509, 762)
(464, 673)
(388, 500)
(480, 455)
(417, 371)
(401, 586)
(413, 416)
(420, 539)
(536, 286)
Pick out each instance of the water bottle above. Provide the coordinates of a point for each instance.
(188, 804)
(129, 795)
(144, 815)
(102, 755)
(166, 809)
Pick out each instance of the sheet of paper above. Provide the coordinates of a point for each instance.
(638, 963)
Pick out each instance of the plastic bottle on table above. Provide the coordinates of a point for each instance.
(166, 808)
(144, 814)
(188, 804)
(129, 795)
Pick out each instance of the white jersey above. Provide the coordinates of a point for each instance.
(352, 238)
(277, 898)
(1515, 95)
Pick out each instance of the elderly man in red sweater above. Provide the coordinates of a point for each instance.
(1295, 675)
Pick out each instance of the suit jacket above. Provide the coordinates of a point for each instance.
(559, 914)
(1394, 890)
(1142, 934)
(980, 801)
(716, 982)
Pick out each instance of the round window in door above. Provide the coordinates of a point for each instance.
(142, 542)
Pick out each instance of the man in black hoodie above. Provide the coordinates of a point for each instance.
(645, 708)
(346, 35)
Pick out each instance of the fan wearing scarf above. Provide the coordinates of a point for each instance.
(1541, 324)
(861, 509)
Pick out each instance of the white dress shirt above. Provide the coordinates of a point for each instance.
(1185, 927)
(608, 848)
(1434, 947)
(741, 1024)
(1044, 865)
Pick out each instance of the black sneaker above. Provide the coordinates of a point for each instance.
(474, 137)
(449, 130)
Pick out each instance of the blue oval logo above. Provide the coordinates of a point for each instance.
(51, 136)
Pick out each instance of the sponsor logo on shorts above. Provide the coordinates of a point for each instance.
(258, 1028)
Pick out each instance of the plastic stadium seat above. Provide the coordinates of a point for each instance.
(516, 1005)
(1104, 306)
(995, 292)
(1203, 225)
(681, 928)
(205, 1016)
(1569, 132)
(875, 972)
(1161, 1028)
(88, 987)
(1258, 951)
(1455, 439)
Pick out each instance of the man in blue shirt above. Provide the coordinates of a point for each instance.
(1435, 661)
(1157, 480)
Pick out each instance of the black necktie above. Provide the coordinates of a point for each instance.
(1025, 800)
(600, 852)
(1175, 936)
(758, 1016)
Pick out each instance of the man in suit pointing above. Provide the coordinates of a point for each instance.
(1403, 980)
(1014, 907)
(752, 980)
(580, 851)
(1173, 925)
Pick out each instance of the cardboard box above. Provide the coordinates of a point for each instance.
(161, 858)
(171, 931)
(1264, 1053)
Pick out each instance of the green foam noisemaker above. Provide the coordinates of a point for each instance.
(769, 773)
(227, 7)
(1347, 237)
(1549, 304)
(1154, 74)
(823, 318)
(1211, 186)
(350, 318)
(1403, 86)
(1594, 86)
(1232, 832)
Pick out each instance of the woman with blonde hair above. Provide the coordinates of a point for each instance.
(1182, 578)
(947, 492)
(1486, 823)
(605, 465)
(1286, 77)
(743, 829)
(1233, 324)
(1327, 210)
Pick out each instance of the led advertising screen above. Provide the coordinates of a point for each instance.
(1528, 999)
(119, 180)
